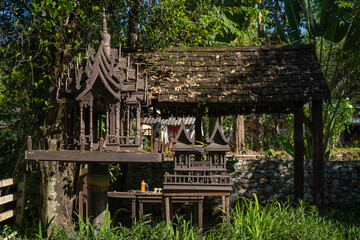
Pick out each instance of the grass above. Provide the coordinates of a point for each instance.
(249, 220)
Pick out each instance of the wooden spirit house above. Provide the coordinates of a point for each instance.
(103, 95)
(199, 167)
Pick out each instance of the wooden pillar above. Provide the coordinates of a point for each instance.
(198, 126)
(82, 124)
(167, 210)
(200, 212)
(66, 124)
(107, 122)
(117, 121)
(138, 124)
(318, 155)
(91, 125)
(128, 121)
(122, 120)
(72, 119)
(227, 202)
(198, 134)
(97, 189)
(298, 156)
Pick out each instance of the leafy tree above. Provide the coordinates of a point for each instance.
(332, 26)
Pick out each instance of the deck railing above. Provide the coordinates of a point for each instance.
(19, 197)
(201, 179)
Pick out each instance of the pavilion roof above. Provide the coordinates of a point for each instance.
(266, 76)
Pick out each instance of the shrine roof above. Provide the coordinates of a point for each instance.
(228, 75)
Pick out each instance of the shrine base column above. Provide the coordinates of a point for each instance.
(97, 182)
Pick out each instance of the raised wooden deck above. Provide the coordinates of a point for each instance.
(93, 157)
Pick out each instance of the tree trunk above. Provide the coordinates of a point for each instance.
(239, 134)
(133, 31)
(56, 192)
(57, 178)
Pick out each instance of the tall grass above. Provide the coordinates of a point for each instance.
(249, 220)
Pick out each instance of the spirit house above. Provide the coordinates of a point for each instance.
(103, 95)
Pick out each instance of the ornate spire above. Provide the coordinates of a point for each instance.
(105, 36)
(104, 26)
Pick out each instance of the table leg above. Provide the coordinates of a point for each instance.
(141, 208)
(223, 205)
(200, 213)
(133, 209)
(167, 210)
(227, 198)
(81, 207)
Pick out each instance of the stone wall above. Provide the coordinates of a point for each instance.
(273, 180)
(270, 180)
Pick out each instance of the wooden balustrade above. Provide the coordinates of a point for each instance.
(202, 179)
(19, 197)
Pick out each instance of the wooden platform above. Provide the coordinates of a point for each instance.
(93, 157)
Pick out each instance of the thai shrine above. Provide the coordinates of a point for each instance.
(107, 94)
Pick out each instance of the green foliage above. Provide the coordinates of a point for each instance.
(114, 172)
(285, 144)
(147, 145)
(37, 40)
(170, 23)
(333, 27)
(337, 114)
(249, 220)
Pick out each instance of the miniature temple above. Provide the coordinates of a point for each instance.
(103, 95)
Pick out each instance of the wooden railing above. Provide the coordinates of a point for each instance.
(19, 197)
(201, 179)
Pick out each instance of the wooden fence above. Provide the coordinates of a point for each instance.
(19, 197)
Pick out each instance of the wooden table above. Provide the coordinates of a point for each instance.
(169, 195)
(149, 197)
(126, 195)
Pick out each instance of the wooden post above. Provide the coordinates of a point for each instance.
(97, 186)
(318, 155)
(198, 134)
(82, 124)
(200, 213)
(156, 145)
(122, 120)
(107, 121)
(138, 124)
(91, 125)
(152, 138)
(223, 204)
(227, 203)
(167, 210)
(29, 143)
(20, 203)
(298, 156)
(128, 131)
(117, 121)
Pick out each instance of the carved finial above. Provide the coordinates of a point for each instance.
(105, 35)
(104, 26)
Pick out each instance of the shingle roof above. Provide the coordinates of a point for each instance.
(234, 75)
